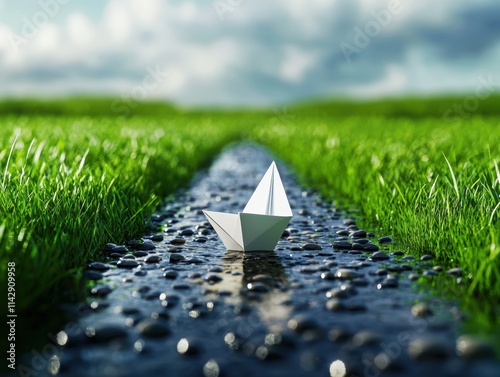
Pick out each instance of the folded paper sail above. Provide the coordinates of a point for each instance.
(262, 222)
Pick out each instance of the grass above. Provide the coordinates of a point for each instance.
(71, 184)
(434, 186)
(74, 176)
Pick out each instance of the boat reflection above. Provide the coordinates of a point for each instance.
(256, 279)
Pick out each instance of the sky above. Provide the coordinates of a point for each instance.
(247, 52)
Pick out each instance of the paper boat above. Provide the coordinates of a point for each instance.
(262, 222)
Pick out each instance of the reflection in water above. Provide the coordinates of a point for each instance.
(257, 279)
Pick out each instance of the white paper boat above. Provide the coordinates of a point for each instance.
(262, 222)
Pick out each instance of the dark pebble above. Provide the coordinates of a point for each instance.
(361, 233)
(186, 232)
(140, 254)
(170, 274)
(99, 266)
(105, 332)
(385, 240)
(174, 258)
(127, 263)
(430, 347)
(397, 253)
(426, 257)
(311, 246)
(212, 278)
(421, 310)
(151, 328)
(370, 247)
(153, 259)
(178, 241)
(93, 275)
(379, 255)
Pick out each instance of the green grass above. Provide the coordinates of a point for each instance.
(434, 186)
(69, 185)
(75, 176)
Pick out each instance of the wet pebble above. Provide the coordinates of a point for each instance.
(127, 263)
(174, 258)
(178, 241)
(344, 273)
(371, 247)
(170, 274)
(257, 287)
(455, 272)
(99, 266)
(93, 275)
(188, 347)
(335, 305)
(421, 310)
(472, 347)
(153, 259)
(385, 240)
(429, 347)
(311, 246)
(101, 333)
(361, 233)
(151, 328)
(379, 255)
(426, 257)
(212, 278)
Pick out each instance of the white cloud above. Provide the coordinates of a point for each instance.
(262, 51)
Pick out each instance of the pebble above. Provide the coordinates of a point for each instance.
(212, 278)
(361, 233)
(174, 258)
(371, 247)
(388, 283)
(257, 287)
(99, 266)
(116, 256)
(426, 257)
(472, 347)
(342, 245)
(100, 290)
(178, 241)
(335, 305)
(385, 240)
(365, 338)
(153, 259)
(455, 272)
(127, 263)
(379, 255)
(93, 275)
(170, 274)
(151, 328)
(101, 333)
(186, 232)
(429, 347)
(344, 273)
(328, 275)
(302, 323)
(397, 253)
(338, 293)
(140, 254)
(421, 310)
(312, 246)
(430, 273)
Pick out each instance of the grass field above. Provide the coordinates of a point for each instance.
(75, 177)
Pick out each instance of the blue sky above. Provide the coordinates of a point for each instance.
(249, 52)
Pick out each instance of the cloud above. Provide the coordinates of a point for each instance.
(255, 52)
